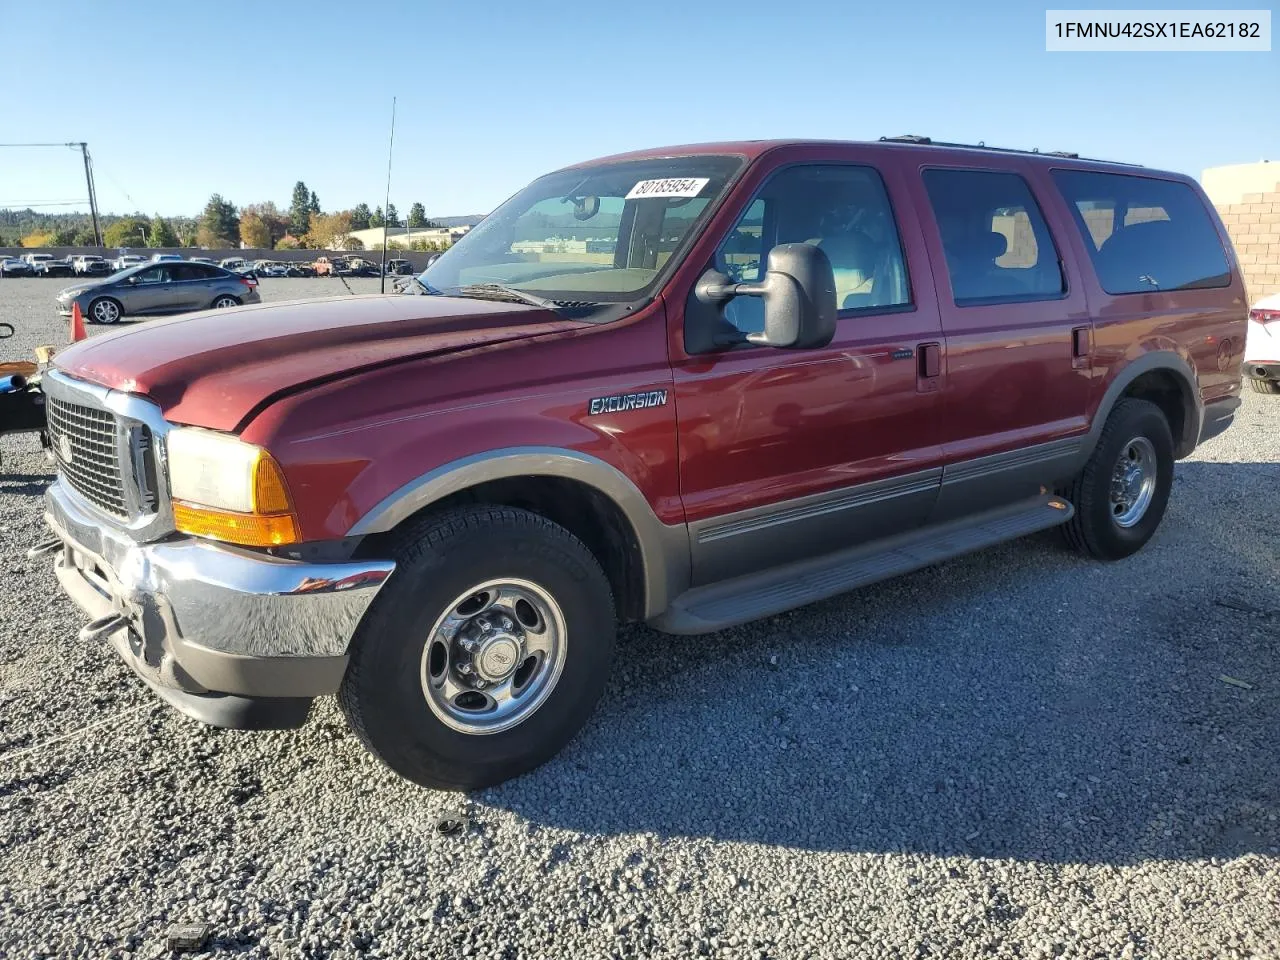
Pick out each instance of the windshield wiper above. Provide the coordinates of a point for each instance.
(426, 287)
(500, 291)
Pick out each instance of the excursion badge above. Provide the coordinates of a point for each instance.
(627, 401)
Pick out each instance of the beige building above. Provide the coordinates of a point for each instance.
(1247, 196)
(403, 237)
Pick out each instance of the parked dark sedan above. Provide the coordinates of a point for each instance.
(154, 288)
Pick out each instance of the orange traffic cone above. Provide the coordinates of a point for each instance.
(77, 324)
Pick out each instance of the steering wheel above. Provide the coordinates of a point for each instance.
(6, 331)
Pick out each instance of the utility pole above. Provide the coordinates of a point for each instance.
(93, 195)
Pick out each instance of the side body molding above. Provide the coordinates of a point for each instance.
(664, 550)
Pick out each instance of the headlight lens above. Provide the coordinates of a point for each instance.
(226, 489)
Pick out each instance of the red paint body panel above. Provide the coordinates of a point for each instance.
(348, 444)
(759, 425)
(214, 368)
(361, 395)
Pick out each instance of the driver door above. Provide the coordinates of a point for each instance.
(147, 293)
(787, 454)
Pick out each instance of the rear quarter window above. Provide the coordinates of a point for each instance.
(1144, 235)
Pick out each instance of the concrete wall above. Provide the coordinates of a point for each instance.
(1247, 196)
(416, 257)
(1228, 185)
(1254, 226)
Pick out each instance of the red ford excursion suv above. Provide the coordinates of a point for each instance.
(691, 387)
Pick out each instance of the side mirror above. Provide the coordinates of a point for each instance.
(799, 293)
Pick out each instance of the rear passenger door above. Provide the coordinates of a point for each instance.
(190, 288)
(1016, 321)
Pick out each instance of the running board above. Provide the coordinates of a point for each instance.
(764, 594)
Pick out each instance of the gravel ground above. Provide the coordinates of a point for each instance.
(1015, 754)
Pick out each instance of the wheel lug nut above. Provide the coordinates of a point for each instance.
(506, 623)
(464, 668)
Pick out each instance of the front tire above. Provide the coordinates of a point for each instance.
(1121, 495)
(485, 652)
(105, 310)
(1265, 386)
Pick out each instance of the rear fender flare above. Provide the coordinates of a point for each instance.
(1166, 361)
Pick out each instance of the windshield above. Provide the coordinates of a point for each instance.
(600, 234)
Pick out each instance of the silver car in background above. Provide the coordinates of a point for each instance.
(157, 288)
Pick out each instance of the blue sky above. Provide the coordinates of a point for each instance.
(180, 100)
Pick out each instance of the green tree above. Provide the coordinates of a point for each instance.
(127, 232)
(376, 219)
(300, 210)
(360, 217)
(277, 222)
(254, 231)
(313, 205)
(219, 226)
(161, 233)
(393, 218)
(418, 216)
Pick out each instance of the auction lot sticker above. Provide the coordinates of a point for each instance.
(1155, 31)
(670, 187)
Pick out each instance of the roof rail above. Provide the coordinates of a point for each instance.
(980, 145)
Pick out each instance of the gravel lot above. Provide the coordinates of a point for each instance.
(1015, 754)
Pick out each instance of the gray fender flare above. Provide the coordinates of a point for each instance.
(1165, 361)
(664, 550)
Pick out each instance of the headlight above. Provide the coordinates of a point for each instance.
(226, 489)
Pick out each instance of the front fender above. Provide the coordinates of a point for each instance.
(664, 549)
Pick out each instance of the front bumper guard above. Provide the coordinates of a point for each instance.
(230, 636)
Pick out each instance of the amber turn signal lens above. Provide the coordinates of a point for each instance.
(246, 529)
(270, 495)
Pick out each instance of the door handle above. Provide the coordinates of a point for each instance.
(1081, 346)
(928, 366)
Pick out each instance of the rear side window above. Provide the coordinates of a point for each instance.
(1144, 235)
(996, 242)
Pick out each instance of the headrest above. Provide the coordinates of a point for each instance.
(990, 245)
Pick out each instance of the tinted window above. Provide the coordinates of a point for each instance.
(996, 242)
(845, 212)
(157, 274)
(1144, 234)
(187, 271)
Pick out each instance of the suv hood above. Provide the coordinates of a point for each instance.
(217, 367)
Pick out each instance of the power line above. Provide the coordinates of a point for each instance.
(23, 204)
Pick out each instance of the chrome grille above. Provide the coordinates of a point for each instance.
(85, 441)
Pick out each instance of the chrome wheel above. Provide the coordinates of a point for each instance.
(223, 302)
(494, 656)
(1133, 482)
(105, 311)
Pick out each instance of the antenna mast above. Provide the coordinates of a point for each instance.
(382, 278)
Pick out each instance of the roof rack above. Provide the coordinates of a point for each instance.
(980, 145)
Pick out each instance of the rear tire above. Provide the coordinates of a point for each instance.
(105, 310)
(225, 301)
(401, 655)
(1265, 386)
(1116, 512)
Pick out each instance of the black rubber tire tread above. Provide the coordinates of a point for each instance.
(1271, 387)
(1092, 531)
(381, 695)
(88, 314)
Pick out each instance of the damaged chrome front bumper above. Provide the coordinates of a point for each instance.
(233, 637)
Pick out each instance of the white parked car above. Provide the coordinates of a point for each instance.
(128, 260)
(90, 264)
(165, 257)
(1262, 346)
